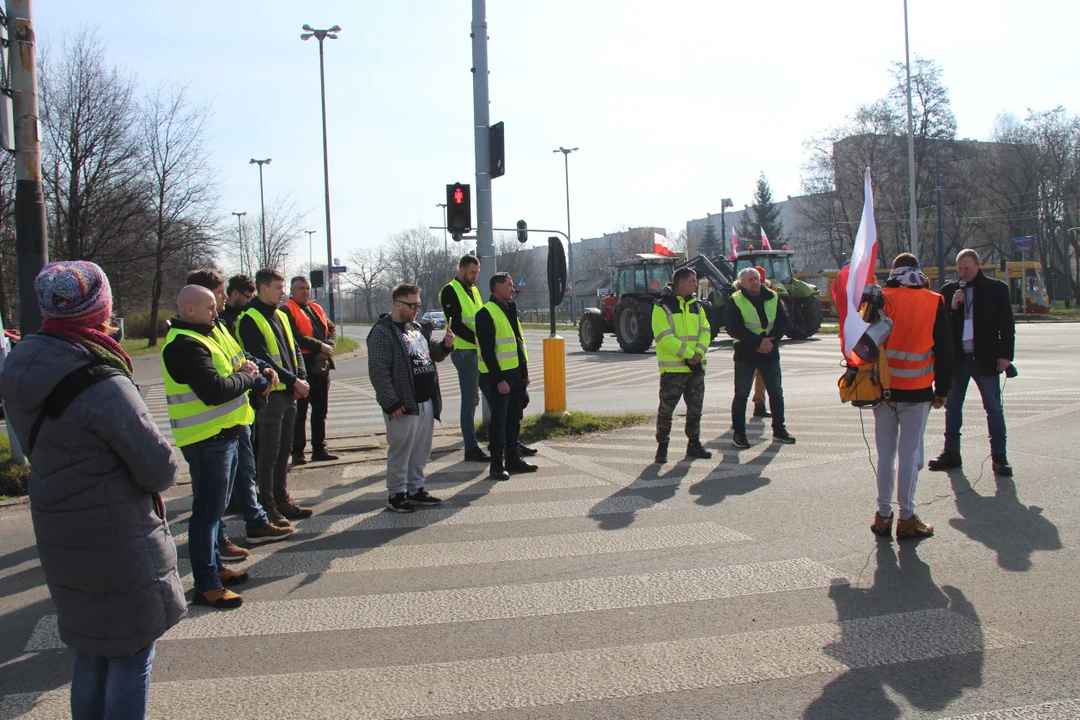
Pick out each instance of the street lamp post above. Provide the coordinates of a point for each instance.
(914, 243)
(725, 203)
(262, 207)
(240, 235)
(569, 238)
(321, 35)
(446, 248)
(310, 252)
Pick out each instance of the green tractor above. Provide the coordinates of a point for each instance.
(799, 298)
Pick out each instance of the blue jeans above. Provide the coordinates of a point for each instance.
(244, 493)
(967, 368)
(744, 383)
(117, 688)
(467, 363)
(211, 463)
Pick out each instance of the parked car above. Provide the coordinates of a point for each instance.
(436, 318)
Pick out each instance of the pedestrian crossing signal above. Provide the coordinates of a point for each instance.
(458, 210)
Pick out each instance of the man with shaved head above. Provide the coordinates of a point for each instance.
(206, 388)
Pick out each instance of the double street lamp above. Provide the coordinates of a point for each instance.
(262, 206)
(569, 238)
(320, 35)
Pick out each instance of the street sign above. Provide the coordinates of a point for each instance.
(521, 282)
(1023, 244)
(338, 268)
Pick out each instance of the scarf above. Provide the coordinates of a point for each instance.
(95, 343)
(910, 277)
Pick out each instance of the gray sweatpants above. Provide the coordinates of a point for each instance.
(899, 434)
(409, 438)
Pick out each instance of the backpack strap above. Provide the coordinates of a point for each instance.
(73, 384)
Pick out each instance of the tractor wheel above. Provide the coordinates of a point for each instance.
(805, 317)
(633, 326)
(591, 330)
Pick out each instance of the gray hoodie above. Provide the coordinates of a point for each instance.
(108, 558)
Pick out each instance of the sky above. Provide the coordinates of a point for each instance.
(673, 105)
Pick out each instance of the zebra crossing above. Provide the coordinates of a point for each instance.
(601, 579)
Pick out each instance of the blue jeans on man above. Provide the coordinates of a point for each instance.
(967, 368)
(467, 364)
(212, 463)
(744, 383)
(111, 688)
(244, 493)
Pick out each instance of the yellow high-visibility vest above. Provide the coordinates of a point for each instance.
(270, 339)
(506, 347)
(680, 336)
(470, 302)
(750, 314)
(191, 419)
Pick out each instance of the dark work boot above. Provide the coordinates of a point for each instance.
(760, 411)
(661, 454)
(526, 451)
(1001, 465)
(695, 449)
(946, 461)
(515, 464)
(497, 472)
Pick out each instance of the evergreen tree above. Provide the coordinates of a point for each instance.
(710, 242)
(765, 215)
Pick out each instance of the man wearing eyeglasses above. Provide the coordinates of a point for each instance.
(401, 367)
(241, 289)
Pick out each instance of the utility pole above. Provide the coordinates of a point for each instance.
(940, 220)
(485, 237)
(445, 223)
(31, 245)
(240, 235)
(569, 238)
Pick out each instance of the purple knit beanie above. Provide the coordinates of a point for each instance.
(76, 292)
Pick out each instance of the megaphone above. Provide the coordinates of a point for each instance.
(868, 348)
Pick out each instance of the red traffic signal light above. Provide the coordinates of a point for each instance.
(458, 209)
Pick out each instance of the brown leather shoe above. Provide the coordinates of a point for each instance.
(231, 552)
(219, 598)
(882, 527)
(291, 510)
(232, 577)
(276, 518)
(913, 528)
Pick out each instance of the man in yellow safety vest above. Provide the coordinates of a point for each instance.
(682, 336)
(461, 300)
(756, 319)
(504, 375)
(206, 389)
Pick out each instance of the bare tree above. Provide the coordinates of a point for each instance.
(514, 258)
(368, 272)
(90, 151)
(181, 186)
(417, 256)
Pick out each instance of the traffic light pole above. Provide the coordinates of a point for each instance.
(485, 235)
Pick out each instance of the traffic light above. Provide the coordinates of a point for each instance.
(316, 278)
(458, 209)
(523, 231)
(496, 150)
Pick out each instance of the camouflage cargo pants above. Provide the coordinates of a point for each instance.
(690, 387)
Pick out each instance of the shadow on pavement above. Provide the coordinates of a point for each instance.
(901, 584)
(1002, 523)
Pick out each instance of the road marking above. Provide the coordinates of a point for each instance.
(526, 681)
(499, 602)
(1062, 710)
(452, 554)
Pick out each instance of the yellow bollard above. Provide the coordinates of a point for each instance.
(554, 375)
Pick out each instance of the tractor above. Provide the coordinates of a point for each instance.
(799, 298)
(628, 312)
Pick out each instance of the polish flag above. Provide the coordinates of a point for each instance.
(765, 240)
(847, 289)
(662, 246)
(734, 246)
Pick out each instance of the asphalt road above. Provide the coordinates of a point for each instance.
(746, 586)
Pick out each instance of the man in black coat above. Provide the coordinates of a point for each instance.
(984, 337)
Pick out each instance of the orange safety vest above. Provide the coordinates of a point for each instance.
(303, 321)
(909, 349)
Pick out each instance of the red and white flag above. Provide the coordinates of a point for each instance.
(765, 240)
(847, 289)
(662, 246)
(734, 246)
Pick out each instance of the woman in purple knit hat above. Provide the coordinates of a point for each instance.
(97, 466)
